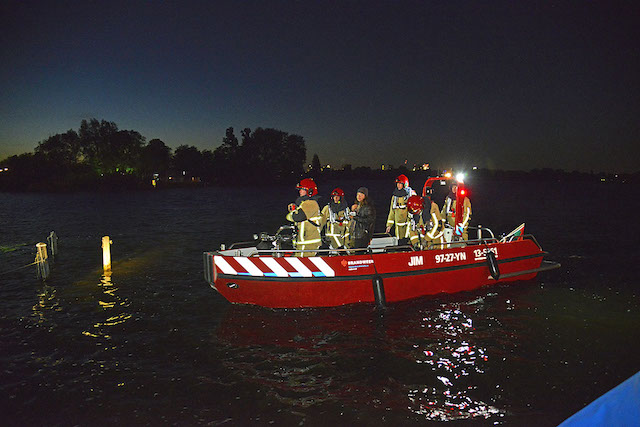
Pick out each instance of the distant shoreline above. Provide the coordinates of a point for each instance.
(117, 183)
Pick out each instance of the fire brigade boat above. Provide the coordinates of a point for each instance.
(381, 273)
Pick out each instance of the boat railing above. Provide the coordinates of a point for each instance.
(381, 243)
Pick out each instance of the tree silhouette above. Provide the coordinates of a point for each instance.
(61, 148)
(315, 164)
(155, 158)
(272, 155)
(100, 153)
(226, 157)
(107, 149)
(187, 162)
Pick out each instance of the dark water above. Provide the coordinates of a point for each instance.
(153, 344)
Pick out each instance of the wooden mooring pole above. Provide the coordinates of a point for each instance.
(42, 264)
(106, 253)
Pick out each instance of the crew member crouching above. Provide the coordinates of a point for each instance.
(416, 225)
(305, 212)
(435, 226)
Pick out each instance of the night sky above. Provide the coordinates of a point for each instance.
(508, 85)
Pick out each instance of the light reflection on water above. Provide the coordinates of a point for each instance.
(452, 356)
(111, 306)
(430, 357)
(47, 302)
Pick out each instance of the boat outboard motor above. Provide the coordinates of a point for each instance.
(493, 265)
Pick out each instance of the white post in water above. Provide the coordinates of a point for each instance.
(42, 265)
(106, 253)
(53, 243)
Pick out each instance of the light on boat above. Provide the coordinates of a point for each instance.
(460, 177)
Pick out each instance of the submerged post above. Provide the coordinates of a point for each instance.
(106, 253)
(42, 265)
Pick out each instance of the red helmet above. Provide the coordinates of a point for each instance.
(415, 204)
(403, 179)
(337, 192)
(309, 185)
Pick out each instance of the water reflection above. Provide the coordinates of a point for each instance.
(47, 302)
(111, 304)
(457, 364)
(422, 361)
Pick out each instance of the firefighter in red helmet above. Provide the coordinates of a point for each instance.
(335, 216)
(398, 210)
(305, 212)
(415, 225)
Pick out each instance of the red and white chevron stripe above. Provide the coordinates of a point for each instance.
(273, 267)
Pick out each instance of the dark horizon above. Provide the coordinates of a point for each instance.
(509, 86)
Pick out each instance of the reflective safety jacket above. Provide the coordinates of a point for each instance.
(307, 218)
(461, 228)
(336, 223)
(436, 225)
(398, 212)
(449, 209)
(416, 230)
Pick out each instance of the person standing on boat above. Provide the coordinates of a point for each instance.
(398, 209)
(435, 225)
(305, 212)
(449, 207)
(449, 211)
(363, 219)
(335, 216)
(416, 225)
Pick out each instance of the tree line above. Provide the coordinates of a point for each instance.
(99, 154)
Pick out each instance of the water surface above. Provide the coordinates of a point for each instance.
(153, 343)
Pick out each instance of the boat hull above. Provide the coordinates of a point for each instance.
(290, 282)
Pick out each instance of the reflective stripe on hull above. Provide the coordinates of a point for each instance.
(274, 267)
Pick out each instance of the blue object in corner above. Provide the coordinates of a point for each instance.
(620, 406)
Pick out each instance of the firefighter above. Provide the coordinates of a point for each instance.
(449, 207)
(335, 216)
(435, 224)
(398, 209)
(415, 224)
(305, 212)
(449, 211)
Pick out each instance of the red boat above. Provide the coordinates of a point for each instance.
(383, 272)
(252, 276)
